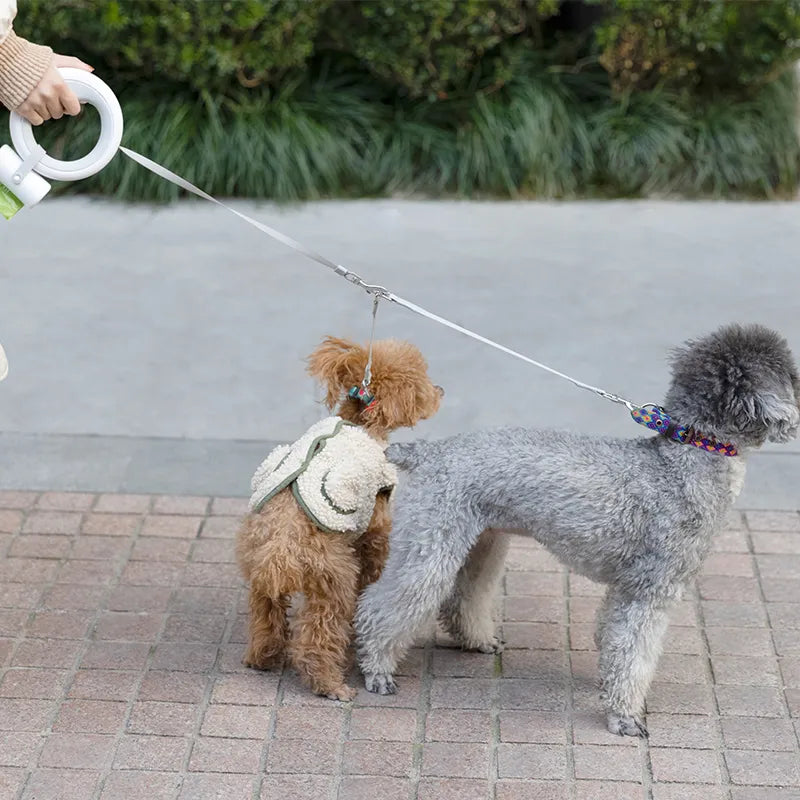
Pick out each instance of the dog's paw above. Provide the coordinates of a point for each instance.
(494, 646)
(380, 683)
(261, 663)
(627, 726)
(343, 692)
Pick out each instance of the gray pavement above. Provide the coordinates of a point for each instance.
(161, 349)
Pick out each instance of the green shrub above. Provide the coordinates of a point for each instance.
(429, 48)
(642, 145)
(707, 46)
(300, 99)
(420, 48)
(209, 45)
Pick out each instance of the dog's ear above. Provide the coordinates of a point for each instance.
(338, 364)
(404, 401)
(775, 409)
(780, 416)
(775, 417)
(394, 406)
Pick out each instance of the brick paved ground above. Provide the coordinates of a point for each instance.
(122, 626)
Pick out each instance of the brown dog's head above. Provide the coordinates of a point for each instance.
(403, 392)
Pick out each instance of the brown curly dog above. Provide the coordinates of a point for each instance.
(281, 552)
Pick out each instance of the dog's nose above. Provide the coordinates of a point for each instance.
(440, 390)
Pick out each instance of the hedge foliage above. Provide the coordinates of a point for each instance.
(431, 47)
(206, 45)
(291, 99)
(709, 47)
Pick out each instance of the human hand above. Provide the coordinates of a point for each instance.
(52, 98)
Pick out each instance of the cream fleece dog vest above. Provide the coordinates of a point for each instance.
(335, 470)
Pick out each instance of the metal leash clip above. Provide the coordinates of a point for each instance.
(370, 288)
(614, 398)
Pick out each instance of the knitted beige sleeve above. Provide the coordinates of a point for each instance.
(22, 66)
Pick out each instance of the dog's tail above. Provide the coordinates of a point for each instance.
(410, 455)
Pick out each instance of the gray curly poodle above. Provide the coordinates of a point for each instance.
(636, 514)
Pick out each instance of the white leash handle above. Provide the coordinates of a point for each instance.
(89, 89)
(23, 172)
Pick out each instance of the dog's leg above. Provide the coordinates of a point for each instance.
(468, 613)
(602, 615)
(372, 548)
(266, 551)
(268, 630)
(323, 629)
(372, 552)
(630, 644)
(414, 584)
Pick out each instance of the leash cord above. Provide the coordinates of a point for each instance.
(376, 298)
(378, 292)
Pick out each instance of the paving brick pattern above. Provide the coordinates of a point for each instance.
(122, 623)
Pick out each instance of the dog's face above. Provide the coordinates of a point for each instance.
(740, 382)
(403, 392)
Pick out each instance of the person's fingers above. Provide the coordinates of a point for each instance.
(71, 61)
(35, 104)
(52, 100)
(43, 110)
(69, 102)
(30, 114)
(48, 94)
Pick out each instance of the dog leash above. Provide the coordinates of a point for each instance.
(378, 292)
(650, 415)
(362, 393)
(22, 185)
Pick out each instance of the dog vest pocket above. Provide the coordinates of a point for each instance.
(335, 471)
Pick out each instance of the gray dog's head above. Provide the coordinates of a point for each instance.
(739, 384)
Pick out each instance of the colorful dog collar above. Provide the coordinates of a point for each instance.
(656, 419)
(360, 393)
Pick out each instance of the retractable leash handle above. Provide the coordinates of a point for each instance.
(23, 173)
